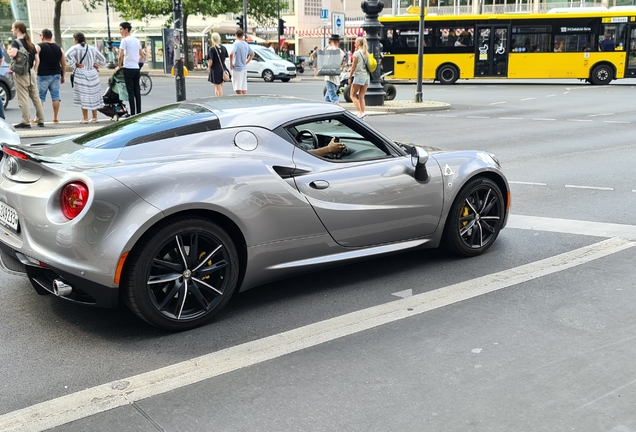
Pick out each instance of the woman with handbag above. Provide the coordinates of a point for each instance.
(87, 90)
(218, 73)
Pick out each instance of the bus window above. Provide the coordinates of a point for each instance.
(531, 38)
(612, 37)
(632, 47)
(573, 42)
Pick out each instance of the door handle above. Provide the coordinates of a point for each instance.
(319, 184)
(401, 62)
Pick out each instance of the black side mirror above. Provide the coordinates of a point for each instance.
(419, 157)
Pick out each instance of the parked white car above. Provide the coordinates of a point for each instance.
(267, 65)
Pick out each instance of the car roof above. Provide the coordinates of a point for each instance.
(268, 111)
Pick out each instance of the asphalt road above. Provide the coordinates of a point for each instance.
(535, 335)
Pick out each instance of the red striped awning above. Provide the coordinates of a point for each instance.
(320, 32)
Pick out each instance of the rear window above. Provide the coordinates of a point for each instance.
(166, 122)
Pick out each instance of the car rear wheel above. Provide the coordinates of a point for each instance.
(390, 92)
(181, 274)
(475, 218)
(347, 93)
(268, 75)
(4, 94)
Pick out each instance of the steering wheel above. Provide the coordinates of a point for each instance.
(343, 153)
(306, 133)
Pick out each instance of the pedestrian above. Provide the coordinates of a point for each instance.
(359, 76)
(130, 55)
(51, 71)
(315, 61)
(333, 81)
(240, 56)
(87, 91)
(26, 85)
(270, 47)
(217, 54)
(7, 96)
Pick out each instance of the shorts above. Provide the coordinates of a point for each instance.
(360, 81)
(49, 83)
(239, 80)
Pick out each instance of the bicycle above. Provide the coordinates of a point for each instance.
(145, 83)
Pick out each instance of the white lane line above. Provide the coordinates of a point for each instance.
(601, 114)
(570, 226)
(526, 99)
(105, 397)
(616, 121)
(551, 95)
(589, 187)
(543, 119)
(528, 183)
(497, 103)
(579, 120)
(444, 115)
(477, 117)
(510, 118)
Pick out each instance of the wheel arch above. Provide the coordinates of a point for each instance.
(439, 68)
(603, 63)
(491, 175)
(223, 221)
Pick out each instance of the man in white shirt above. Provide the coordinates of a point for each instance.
(332, 82)
(130, 55)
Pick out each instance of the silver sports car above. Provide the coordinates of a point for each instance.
(176, 209)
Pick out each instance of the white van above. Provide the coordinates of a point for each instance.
(266, 65)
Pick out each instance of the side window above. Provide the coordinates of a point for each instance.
(257, 57)
(612, 37)
(579, 42)
(313, 137)
(632, 47)
(531, 39)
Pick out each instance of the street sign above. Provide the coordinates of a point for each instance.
(324, 14)
(338, 23)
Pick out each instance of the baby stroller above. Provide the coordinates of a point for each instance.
(116, 93)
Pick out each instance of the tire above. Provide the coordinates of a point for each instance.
(285, 79)
(602, 75)
(475, 218)
(145, 84)
(4, 94)
(390, 91)
(324, 91)
(174, 304)
(268, 75)
(300, 70)
(347, 93)
(447, 74)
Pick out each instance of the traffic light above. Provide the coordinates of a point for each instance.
(239, 22)
(281, 26)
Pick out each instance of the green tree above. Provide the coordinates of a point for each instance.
(57, 16)
(259, 10)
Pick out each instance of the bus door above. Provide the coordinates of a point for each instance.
(631, 52)
(491, 56)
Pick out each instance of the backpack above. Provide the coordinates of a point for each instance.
(20, 64)
(373, 63)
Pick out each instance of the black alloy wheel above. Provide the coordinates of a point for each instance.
(475, 219)
(390, 92)
(181, 274)
(4, 95)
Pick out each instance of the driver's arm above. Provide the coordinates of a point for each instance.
(332, 147)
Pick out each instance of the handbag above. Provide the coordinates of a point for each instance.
(73, 74)
(329, 62)
(226, 74)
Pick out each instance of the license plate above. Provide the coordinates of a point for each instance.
(8, 216)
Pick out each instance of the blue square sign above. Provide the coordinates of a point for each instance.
(324, 14)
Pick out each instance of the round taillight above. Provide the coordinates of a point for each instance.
(74, 199)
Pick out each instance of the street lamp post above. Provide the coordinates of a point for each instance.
(111, 63)
(372, 26)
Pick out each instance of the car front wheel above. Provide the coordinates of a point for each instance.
(268, 75)
(475, 218)
(181, 274)
(4, 95)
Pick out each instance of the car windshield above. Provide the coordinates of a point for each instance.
(267, 54)
(172, 120)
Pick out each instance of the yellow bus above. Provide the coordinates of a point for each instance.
(597, 46)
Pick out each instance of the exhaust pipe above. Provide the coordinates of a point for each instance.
(61, 288)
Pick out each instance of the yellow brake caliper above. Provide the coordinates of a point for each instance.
(201, 255)
(464, 213)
